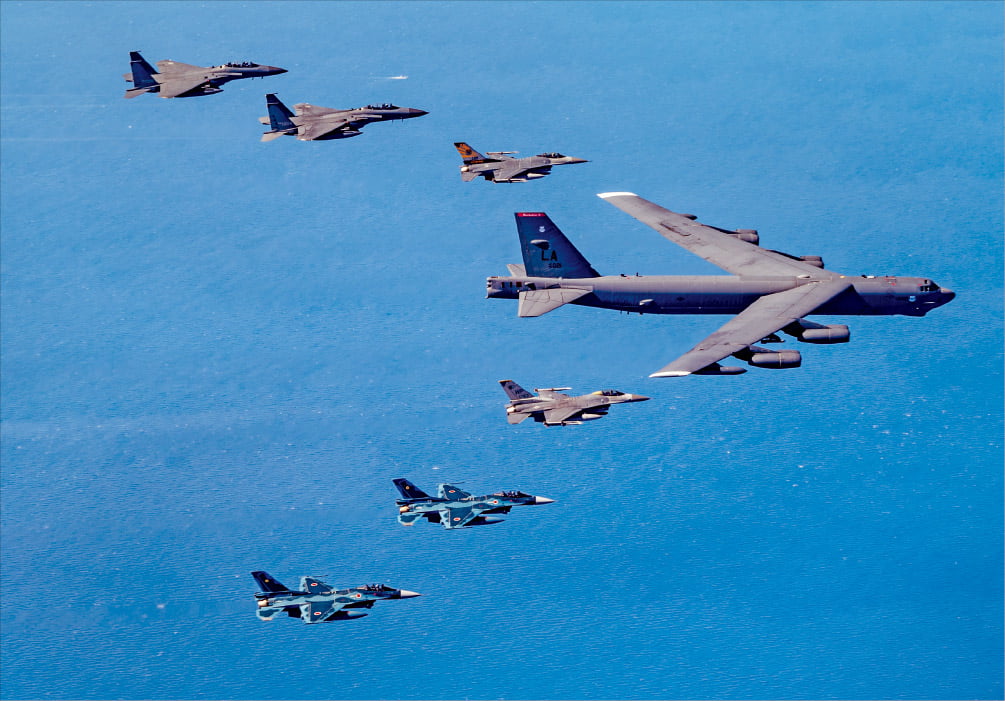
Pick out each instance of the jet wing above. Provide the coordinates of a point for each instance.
(557, 416)
(316, 129)
(449, 491)
(459, 517)
(173, 87)
(314, 586)
(727, 252)
(169, 66)
(538, 302)
(509, 170)
(317, 611)
(762, 318)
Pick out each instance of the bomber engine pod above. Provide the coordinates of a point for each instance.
(764, 358)
(836, 333)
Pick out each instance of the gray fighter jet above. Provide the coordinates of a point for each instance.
(185, 80)
(317, 602)
(499, 167)
(552, 408)
(455, 508)
(313, 123)
(767, 290)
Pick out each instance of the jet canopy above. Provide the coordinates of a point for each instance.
(553, 154)
(375, 587)
(510, 493)
(382, 106)
(609, 393)
(242, 64)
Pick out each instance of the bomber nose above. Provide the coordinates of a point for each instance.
(947, 293)
(542, 500)
(405, 594)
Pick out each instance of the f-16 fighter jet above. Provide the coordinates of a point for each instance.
(313, 123)
(767, 290)
(552, 408)
(499, 167)
(317, 602)
(185, 80)
(455, 508)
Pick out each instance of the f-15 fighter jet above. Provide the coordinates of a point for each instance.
(552, 408)
(317, 602)
(313, 123)
(185, 80)
(768, 291)
(455, 508)
(499, 167)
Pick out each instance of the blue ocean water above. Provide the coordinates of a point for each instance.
(217, 353)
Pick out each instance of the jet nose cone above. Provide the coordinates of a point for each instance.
(577, 160)
(948, 294)
(640, 398)
(405, 594)
(543, 500)
(416, 113)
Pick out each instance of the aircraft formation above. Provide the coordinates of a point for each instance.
(766, 292)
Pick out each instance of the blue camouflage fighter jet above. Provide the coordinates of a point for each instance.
(455, 508)
(317, 602)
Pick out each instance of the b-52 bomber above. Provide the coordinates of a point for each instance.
(552, 408)
(455, 508)
(767, 290)
(313, 123)
(500, 167)
(185, 80)
(317, 602)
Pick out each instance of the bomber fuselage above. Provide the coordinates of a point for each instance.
(730, 294)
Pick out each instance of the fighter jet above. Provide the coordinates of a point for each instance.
(768, 291)
(499, 167)
(313, 123)
(317, 602)
(552, 408)
(185, 80)
(455, 508)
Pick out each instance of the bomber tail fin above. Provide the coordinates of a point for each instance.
(546, 250)
(409, 490)
(469, 155)
(268, 583)
(515, 391)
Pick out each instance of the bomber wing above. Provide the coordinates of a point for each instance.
(761, 319)
(727, 252)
